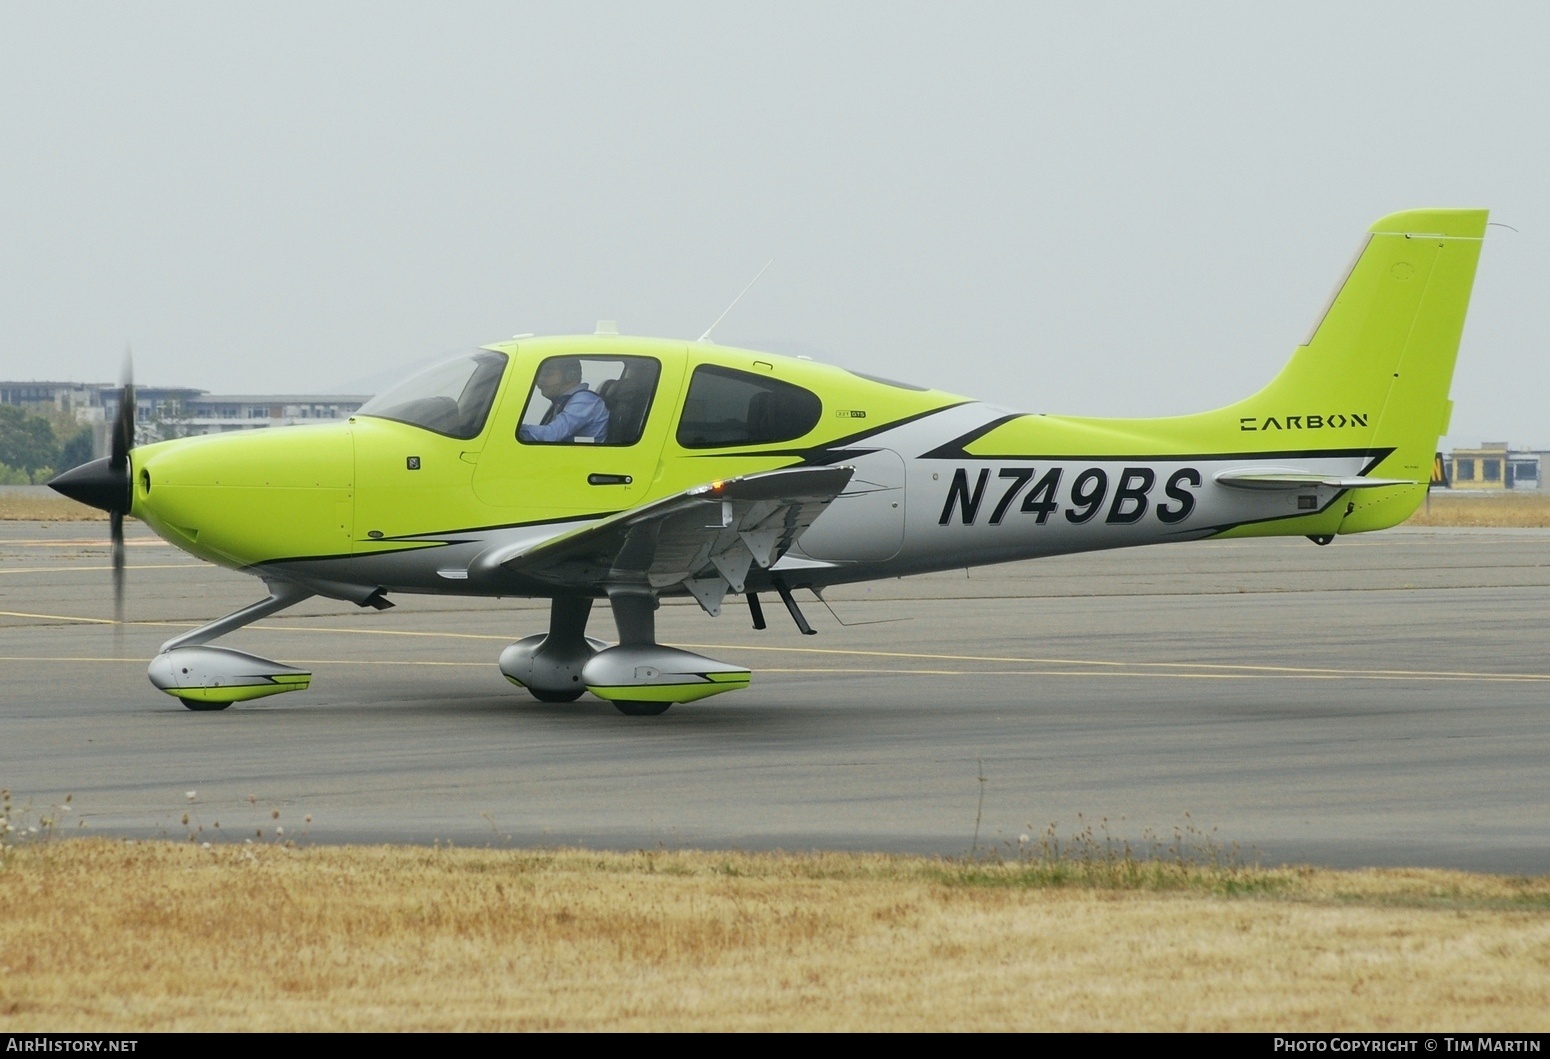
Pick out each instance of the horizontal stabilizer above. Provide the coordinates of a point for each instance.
(1301, 480)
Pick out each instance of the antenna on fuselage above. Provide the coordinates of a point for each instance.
(706, 336)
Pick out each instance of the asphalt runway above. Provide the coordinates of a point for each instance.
(1380, 701)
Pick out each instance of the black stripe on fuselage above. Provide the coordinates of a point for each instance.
(831, 452)
(432, 539)
(954, 450)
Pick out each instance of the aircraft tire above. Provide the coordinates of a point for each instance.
(556, 696)
(638, 708)
(203, 707)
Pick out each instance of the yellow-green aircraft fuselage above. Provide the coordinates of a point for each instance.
(609, 467)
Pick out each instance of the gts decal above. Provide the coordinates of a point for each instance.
(1089, 489)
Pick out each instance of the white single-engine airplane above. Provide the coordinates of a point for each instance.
(604, 466)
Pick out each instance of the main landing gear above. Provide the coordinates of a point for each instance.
(638, 675)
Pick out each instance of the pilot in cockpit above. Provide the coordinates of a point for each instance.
(576, 413)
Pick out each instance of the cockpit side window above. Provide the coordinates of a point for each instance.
(728, 407)
(589, 399)
(453, 398)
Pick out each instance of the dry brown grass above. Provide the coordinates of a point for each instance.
(1522, 509)
(107, 935)
(47, 509)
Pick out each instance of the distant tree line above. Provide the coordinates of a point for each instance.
(34, 448)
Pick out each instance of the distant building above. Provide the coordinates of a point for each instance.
(152, 404)
(163, 412)
(187, 413)
(58, 396)
(1495, 465)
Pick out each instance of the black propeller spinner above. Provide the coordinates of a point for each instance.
(105, 483)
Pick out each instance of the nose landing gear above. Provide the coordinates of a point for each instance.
(212, 678)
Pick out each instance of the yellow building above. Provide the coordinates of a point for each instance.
(1493, 466)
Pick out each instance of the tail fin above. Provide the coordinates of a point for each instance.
(1382, 355)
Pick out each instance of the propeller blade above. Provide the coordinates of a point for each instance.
(118, 460)
(124, 425)
(116, 531)
(104, 483)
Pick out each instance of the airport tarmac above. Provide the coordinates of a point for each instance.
(1380, 701)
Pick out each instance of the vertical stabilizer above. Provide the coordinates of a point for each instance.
(1382, 354)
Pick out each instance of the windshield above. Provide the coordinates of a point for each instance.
(453, 398)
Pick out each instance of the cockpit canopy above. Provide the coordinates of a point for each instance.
(452, 398)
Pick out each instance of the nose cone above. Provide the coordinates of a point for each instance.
(96, 484)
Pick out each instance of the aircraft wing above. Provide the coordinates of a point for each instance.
(1301, 480)
(705, 538)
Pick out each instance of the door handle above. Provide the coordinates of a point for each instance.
(609, 479)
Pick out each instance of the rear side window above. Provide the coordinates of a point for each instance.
(727, 407)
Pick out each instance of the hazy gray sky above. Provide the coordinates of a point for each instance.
(1107, 209)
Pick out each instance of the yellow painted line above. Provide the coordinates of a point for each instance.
(1351, 675)
(137, 661)
(56, 617)
(92, 542)
(487, 664)
(1298, 671)
(40, 658)
(98, 569)
(271, 627)
(259, 627)
(1229, 668)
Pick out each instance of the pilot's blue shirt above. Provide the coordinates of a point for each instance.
(579, 415)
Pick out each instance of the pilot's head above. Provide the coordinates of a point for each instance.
(559, 376)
